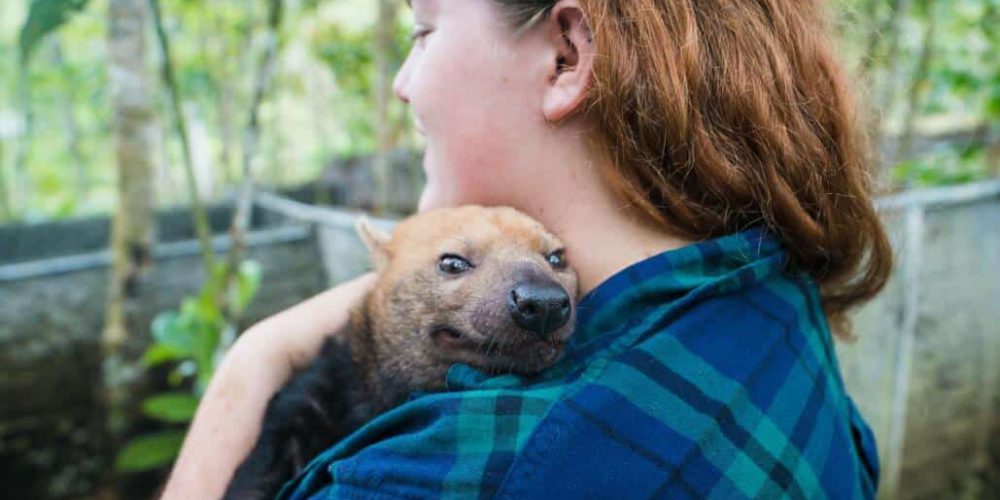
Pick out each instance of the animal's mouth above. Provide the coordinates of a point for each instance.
(510, 352)
(452, 338)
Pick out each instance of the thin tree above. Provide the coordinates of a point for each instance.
(886, 95)
(228, 68)
(251, 142)
(133, 227)
(918, 82)
(5, 210)
(384, 37)
(881, 50)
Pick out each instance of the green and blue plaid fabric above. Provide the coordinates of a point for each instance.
(707, 371)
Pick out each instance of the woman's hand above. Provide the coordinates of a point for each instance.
(228, 420)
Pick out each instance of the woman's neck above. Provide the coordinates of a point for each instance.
(603, 241)
(601, 234)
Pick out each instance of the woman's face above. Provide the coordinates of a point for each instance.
(476, 93)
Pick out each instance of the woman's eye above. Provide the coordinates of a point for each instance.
(419, 34)
(557, 259)
(453, 264)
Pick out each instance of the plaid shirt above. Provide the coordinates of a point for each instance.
(707, 371)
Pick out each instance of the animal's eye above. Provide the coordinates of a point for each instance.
(453, 264)
(557, 259)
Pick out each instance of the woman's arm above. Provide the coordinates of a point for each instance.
(258, 365)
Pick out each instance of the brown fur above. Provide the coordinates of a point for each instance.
(412, 299)
(416, 322)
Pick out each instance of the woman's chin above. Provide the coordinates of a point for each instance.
(431, 199)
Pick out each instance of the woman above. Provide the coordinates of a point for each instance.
(701, 161)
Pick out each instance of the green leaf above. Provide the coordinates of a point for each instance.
(151, 451)
(208, 310)
(189, 309)
(992, 107)
(173, 330)
(247, 285)
(173, 407)
(157, 354)
(45, 16)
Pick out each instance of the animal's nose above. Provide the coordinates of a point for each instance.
(540, 307)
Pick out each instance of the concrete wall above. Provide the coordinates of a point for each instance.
(925, 370)
(52, 441)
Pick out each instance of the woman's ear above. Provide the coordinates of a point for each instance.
(376, 240)
(572, 65)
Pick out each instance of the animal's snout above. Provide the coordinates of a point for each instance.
(540, 307)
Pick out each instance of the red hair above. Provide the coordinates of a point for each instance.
(720, 115)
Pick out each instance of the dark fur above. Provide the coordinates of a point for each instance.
(320, 406)
(343, 388)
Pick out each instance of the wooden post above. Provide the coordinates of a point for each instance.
(912, 256)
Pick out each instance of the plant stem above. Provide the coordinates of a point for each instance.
(202, 228)
(251, 140)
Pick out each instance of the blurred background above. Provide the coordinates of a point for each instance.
(173, 170)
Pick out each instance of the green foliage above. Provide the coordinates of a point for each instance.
(193, 338)
(959, 91)
(151, 451)
(314, 115)
(44, 17)
(347, 53)
(171, 407)
(943, 168)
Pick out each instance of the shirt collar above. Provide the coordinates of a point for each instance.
(669, 280)
(662, 283)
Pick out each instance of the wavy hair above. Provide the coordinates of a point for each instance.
(720, 115)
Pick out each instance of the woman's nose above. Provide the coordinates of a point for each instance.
(399, 84)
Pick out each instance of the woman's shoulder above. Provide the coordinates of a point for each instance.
(716, 364)
(722, 302)
(733, 398)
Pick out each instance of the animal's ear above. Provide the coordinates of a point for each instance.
(376, 240)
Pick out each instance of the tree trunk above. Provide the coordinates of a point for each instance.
(917, 85)
(885, 96)
(881, 48)
(5, 210)
(880, 30)
(133, 227)
(233, 64)
(227, 132)
(226, 104)
(868, 58)
(384, 37)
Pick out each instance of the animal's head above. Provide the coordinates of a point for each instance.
(489, 287)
